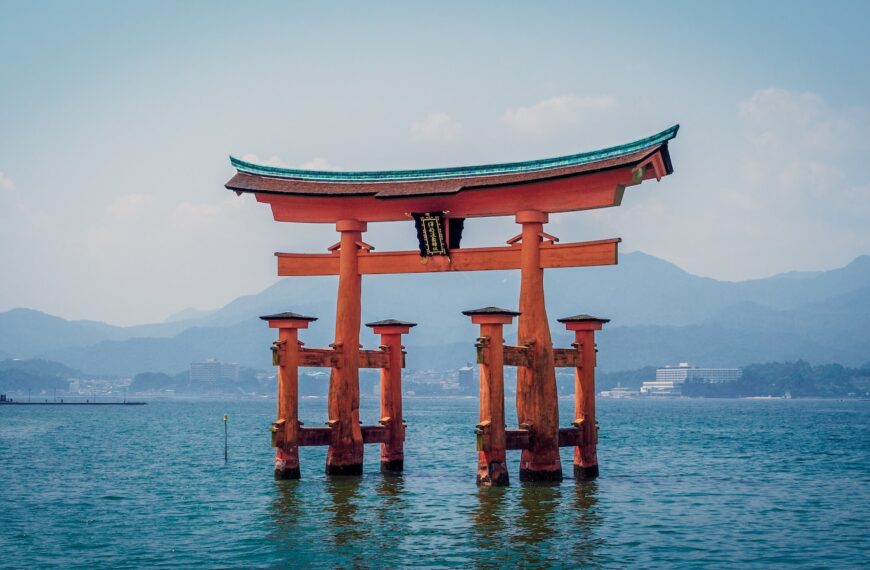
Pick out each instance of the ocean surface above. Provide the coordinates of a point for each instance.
(684, 483)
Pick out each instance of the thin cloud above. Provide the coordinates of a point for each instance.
(274, 161)
(436, 127)
(318, 163)
(6, 183)
(550, 115)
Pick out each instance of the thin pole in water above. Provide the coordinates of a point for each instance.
(226, 456)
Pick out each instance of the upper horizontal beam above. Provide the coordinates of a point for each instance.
(581, 254)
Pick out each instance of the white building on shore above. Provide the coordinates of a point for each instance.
(669, 380)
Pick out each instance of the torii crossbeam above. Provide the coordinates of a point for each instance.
(439, 201)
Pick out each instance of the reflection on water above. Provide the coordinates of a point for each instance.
(286, 509)
(488, 527)
(587, 519)
(537, 524)
(390, 511)
(345, 495)
(287, 513)
(538, 502)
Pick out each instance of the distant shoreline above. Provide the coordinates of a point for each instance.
(7, 403)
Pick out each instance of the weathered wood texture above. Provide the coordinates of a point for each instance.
(517, 356)
(537, 401)
(311, 437)
(491, 461)
(517, 439)
(586, 453)
(287, 451)
(328, 358)
(393, 445)
(581, 254)
(570, 437)
(345, 454)
(566, 358)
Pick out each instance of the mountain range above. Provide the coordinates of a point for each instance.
(660, 315)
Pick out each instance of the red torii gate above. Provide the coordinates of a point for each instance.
(440, 200)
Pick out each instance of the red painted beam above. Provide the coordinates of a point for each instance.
(581, 254)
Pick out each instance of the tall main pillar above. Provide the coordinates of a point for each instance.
(345, 455)
(537, 397)
(393, 450)
(586, 454)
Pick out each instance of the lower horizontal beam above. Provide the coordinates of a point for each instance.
(580, 254)
(517, 439)
(314, 436)
(570, 437)
(310, 437)
(375, 434)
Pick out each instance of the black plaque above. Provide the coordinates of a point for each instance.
(430, 234)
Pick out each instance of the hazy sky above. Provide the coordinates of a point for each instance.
(116, 120)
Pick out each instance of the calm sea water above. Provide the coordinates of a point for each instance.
(689, 483)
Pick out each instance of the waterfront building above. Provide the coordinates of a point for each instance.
(619, 391)
(660, 388)
(683, 372)
(213, 370)
(466, 380)
(669, 380)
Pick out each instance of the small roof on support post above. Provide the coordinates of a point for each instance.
(288, 320)
(391, 326)
(491, 316)
(583, 322)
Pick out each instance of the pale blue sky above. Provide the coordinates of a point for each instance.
(116, 120)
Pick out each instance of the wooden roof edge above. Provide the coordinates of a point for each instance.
(420, 175)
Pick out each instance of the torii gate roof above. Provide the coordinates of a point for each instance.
(575, 182)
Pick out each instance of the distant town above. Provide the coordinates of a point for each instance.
(42, 380)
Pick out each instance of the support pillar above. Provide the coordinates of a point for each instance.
(586, 454)
(393, 450)
(285, 430)
(345, 455)
(537, 396)
(491, 438)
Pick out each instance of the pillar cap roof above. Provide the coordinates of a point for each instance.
(391, 323)
(286, 316)
(490, 311)
(583, 318)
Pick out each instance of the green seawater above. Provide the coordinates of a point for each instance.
(684, 483)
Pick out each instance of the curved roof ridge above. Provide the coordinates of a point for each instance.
(456, 171)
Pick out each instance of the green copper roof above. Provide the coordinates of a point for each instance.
(458, 171)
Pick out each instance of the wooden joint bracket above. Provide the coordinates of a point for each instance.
(482, 346)
(516, 240)
(549, 238)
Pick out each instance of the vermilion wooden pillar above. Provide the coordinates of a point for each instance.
(393, 450)
(491, 438)
(537, 396)
(586, 454)
(286, 428)
(345, 455)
